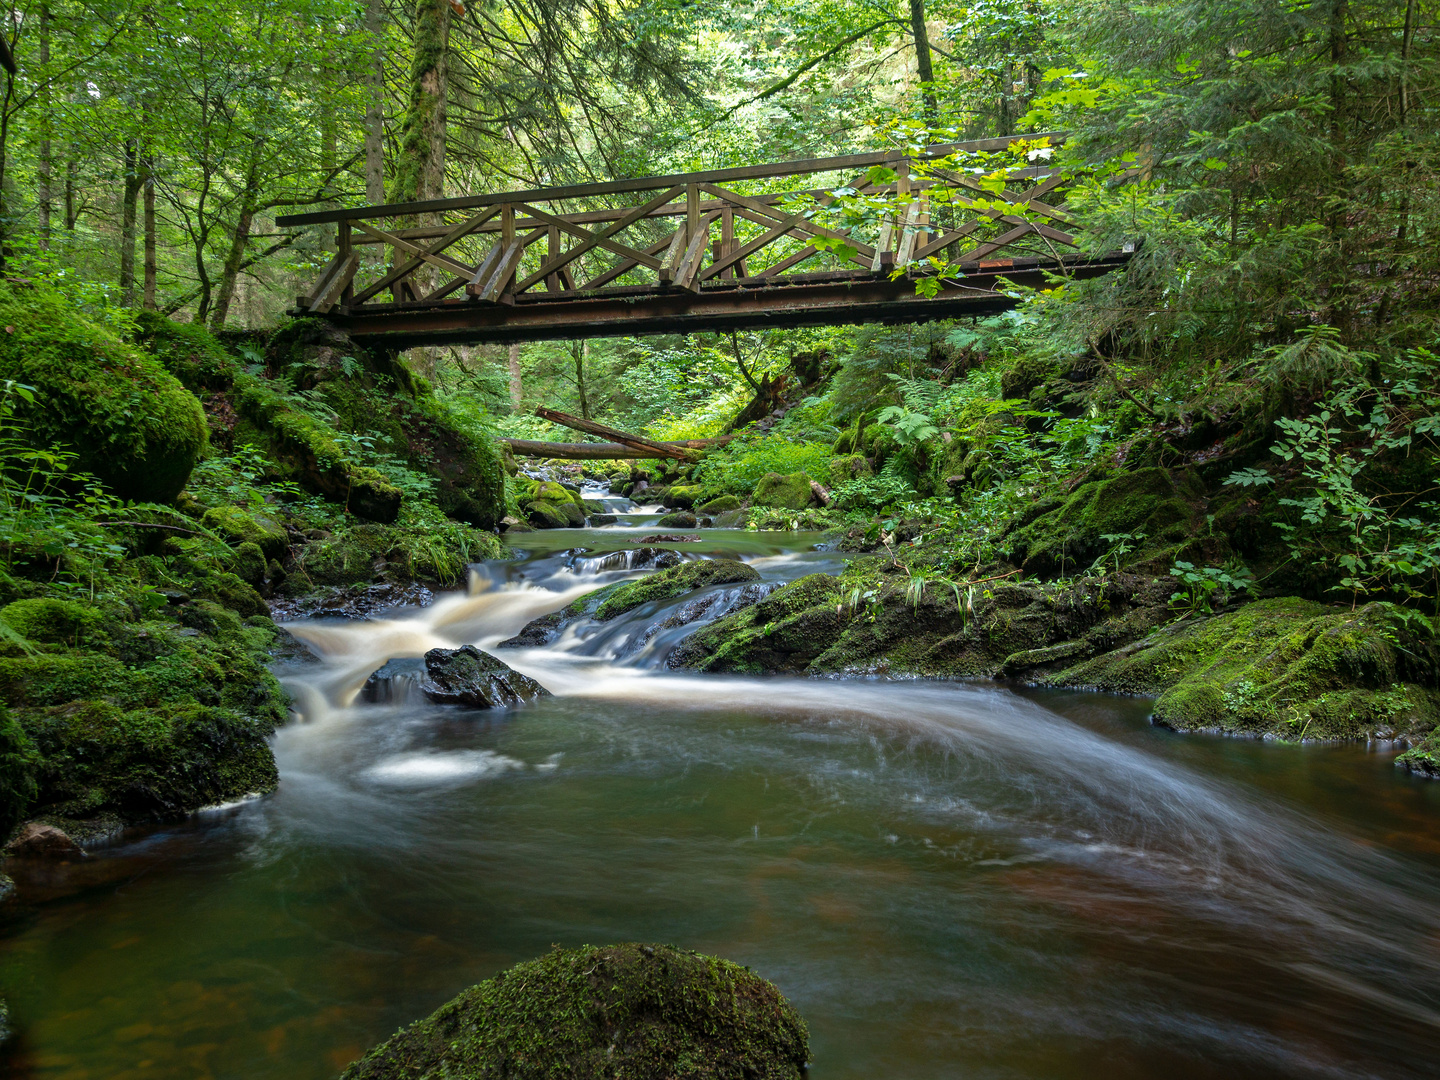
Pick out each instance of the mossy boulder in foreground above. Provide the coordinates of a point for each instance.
(128, 420)
(641, 1012)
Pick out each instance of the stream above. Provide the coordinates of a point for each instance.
(946, 879)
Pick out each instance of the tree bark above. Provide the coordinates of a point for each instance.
(44, 173)
(240, 238)
(375, 106)
(923, 67)
(517, 391)
(127, 223)
(147, 297)
(578, 350)
(420, 170)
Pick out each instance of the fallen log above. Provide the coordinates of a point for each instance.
(590, 427)
(597, 451)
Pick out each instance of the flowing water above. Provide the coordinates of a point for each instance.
(946, 879)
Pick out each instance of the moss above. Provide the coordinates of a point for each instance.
(1065, 536)
(368, 552)
(167, 718)
(240, 527)
(681, 519)
(719, 506)
(18, 762)
(188, 351)
(849, 467)
(52, 621)
(250, 564)
(128, 420)
(641, 1011)
(789, 492)
(677, 581)
(685, 496)
(544, 514)
(782, 633)
(308, 451)
(1287, 667)
(232, 592)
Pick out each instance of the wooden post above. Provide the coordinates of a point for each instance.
(507, 244)
(553, 282)
(726, 243)
(692, 211)
(343, 249)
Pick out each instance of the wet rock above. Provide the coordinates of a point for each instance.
(36, 840)
(358, 602)
(642, 1011)
(666, 538)
(544, 514)
(290, 649)
(672, 583)
(659, 558)
(719, 505)
(382, 687)
(681, 520)
(597, 520)
(537, 633)
(705, 608)
(467, 676)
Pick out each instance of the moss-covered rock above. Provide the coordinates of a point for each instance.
(52, 621)
(648, 1012)
(785, 492)
(1289, 668)
(128, 420)
(166, 717)
(681, 519)
(684, 496)
(721, 505)
(188, 351)
(677, 581)
(1063, 536)
(309, 451)
(390, 553)
(849, 467)
(18, 762)
(545, 514)
(232, 592)
(785, 632)
(240, 527)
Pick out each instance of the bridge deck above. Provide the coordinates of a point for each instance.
(677, 254)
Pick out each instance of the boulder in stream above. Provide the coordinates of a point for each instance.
(672, 583)
(642, 1011)
(467, 676)
(681, 519)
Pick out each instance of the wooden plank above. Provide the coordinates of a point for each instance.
(309, 300)
(444, 262)
(592, 428)
(948, 238)
(615, 271)
(769, 216)
(552, 238)
(673, 251)
(687, 273)
(469, 225)
(801, 167)
(344, 274)
(494, 284)
(591, 240)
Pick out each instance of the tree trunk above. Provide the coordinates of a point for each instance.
(578, 350)
(147, 300)
(131, 197)
(240, 239)
(516, 389)
(420, 170)
(375, 106)
(922, 57)
(44, 172)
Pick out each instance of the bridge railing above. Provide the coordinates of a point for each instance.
(745, 227)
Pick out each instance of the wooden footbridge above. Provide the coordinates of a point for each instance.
(722, 250)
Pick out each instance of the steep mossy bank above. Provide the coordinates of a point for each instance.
(648, 1012)
(208, 490)
(1284, 668)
